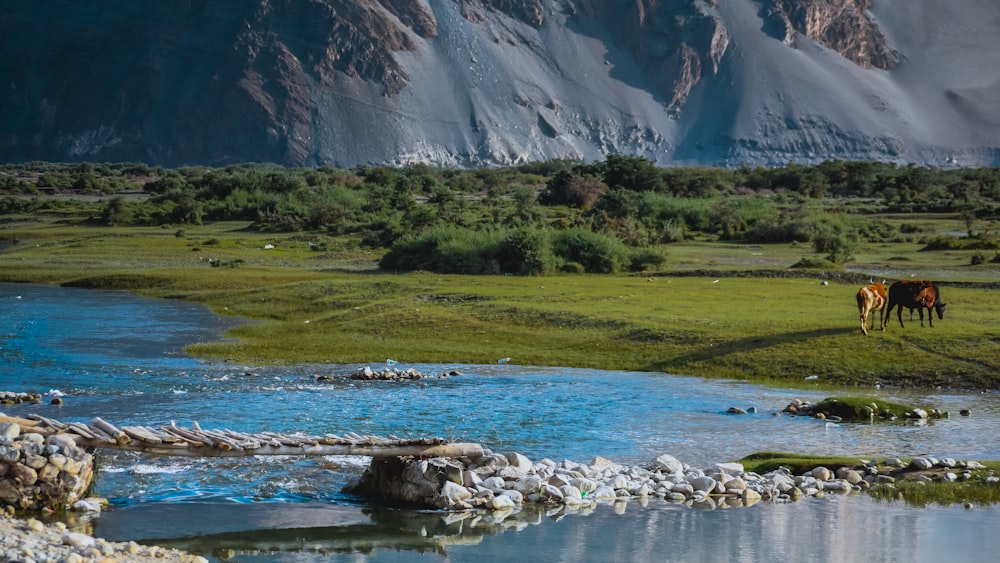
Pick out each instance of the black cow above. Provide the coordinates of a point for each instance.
(917, 295)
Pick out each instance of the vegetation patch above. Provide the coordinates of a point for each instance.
(865, 409)
(120, 282)
(965, 483)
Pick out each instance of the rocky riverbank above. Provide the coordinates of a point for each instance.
(506, 481)
(30, 540)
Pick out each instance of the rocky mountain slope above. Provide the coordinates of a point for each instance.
(496, 82)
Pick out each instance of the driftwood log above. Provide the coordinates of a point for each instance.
(197, 442)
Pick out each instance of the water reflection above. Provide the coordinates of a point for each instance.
(833, 528)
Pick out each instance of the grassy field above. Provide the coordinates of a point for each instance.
(717, 310)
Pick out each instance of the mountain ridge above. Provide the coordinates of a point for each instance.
(497, 82)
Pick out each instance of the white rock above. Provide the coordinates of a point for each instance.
(602, 492)
(618, 482)
(495, 483)
(704, 484)
(519, 461)
(736, 484)
(514, 496)
(601, 464)
(668, 464)
(9, 431)
(77, 539)
(585, 485)
(62, 441)
(571, 495)
(821, 473)
(501, 502)
(527, 484)
(471, 479)
(453, 493)
(86, 506)
(921, 463)
(730, 468)
(837, 485)
(684, 489)
(551, 492)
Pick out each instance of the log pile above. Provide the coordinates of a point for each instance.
(198, 442)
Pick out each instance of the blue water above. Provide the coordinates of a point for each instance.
(121, 357)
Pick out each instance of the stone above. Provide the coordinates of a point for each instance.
(495, 483)
(603, 464)
(821, 473)
(730, 468)
(602, 492)
(501, 502)
(61, 441)
(471, 479)
(9, 454)
(77, 539)
(571, 495)
(559, 480)
(618, 482)
(551, 492)
(668, 464)
(23, 474)
(519, 461)
(453, 493)
(585, 485)
(735, 484)
(921, 463)
(528, 484)
(705, 484)
(515, 496)
(9, 431)
(33, 438)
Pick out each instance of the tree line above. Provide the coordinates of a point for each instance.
(613, 215)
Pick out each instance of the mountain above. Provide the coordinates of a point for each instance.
(498, 82)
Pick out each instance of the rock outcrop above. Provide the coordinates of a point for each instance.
(842, 25)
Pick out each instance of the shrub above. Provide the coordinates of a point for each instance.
(647, 258)
(597, 253)
(525, 251)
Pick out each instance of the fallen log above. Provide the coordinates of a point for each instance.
(445, 450)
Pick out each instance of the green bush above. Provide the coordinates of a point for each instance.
(597, 253)
(650, 258)
(525, 251)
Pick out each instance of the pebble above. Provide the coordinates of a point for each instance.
(31, 540)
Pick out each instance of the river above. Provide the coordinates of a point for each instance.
(120, 357)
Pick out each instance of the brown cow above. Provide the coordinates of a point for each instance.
(914, 294)
(871, 298)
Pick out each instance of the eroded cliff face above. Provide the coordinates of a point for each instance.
(481, 82)
(842, 25)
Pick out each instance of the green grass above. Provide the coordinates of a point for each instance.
(333, 306)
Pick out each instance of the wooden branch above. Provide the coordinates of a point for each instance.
(109, 429)
(445, 450)
(198, 442)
